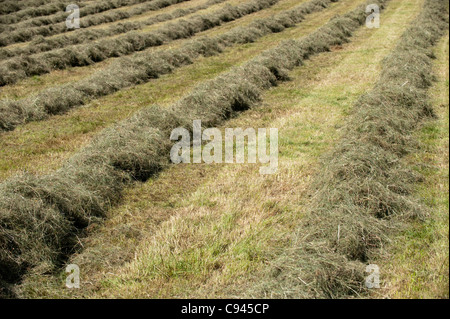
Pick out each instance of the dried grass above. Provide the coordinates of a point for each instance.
(362, 192)
(143, 66)
(138, 148)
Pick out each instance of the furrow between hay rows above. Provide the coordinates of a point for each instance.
(362, 194)
(143, 66)
(31, 10)
(88, 10)
(89, 35)
(135, 149)
(85, 54)
(25, 33)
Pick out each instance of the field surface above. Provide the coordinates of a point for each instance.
(362, 174)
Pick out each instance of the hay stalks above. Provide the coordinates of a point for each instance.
(363, 188)
(12, 11)
(13, 23)
(41, 44)
(85, 187)
(18, 68)
(143, 66)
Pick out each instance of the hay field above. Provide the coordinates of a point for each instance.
(86, 177)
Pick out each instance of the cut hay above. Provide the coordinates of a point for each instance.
(90, 182)
(42, 44)
(361, 195)
(93, 14)
(18, 68)
(14, 11)
(24, 18)
(143, 66)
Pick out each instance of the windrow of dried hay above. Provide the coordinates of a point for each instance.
(143, 66)
(40, 216)
(42, 44)
(361, 195)
(86, 9)
(91, 15)
(18, 68)
(13, 11)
